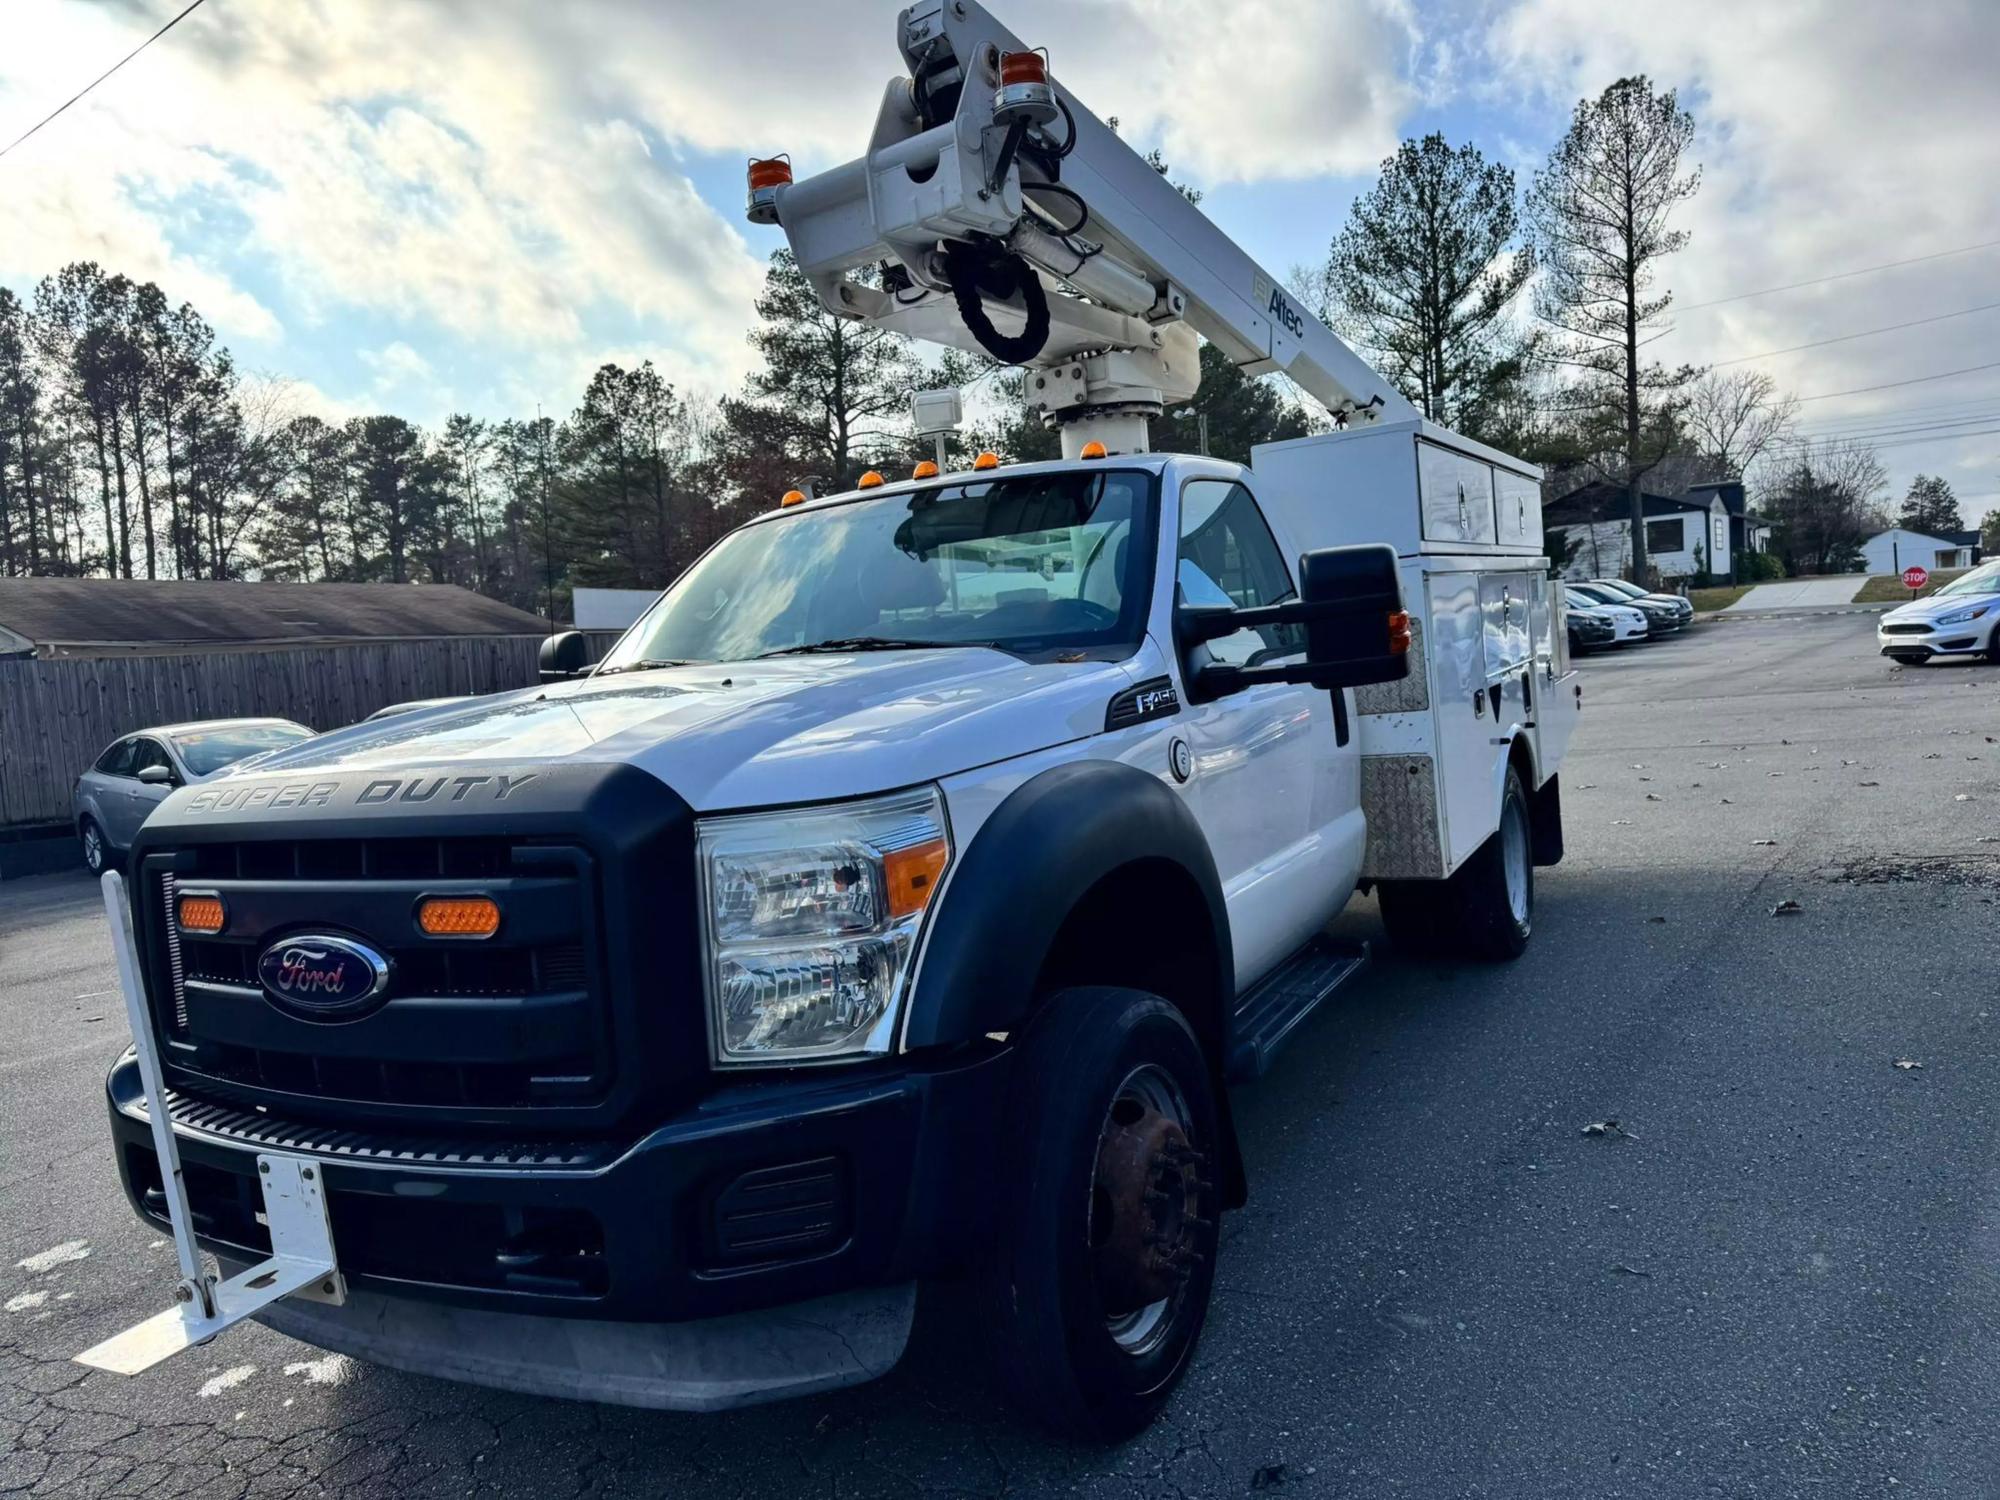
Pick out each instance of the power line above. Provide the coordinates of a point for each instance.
(1862, 390)
(1865, 334)
(1887, 265)
(99, 79)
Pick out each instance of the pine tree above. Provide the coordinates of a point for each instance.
(1930, 507)
(1598, 222)
(1424, 273)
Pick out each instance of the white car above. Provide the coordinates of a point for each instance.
(1960, 619)
(1628, 623)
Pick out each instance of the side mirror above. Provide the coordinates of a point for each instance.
(1361, 633)
(156, 776)
(565, 656)
(1351, 605)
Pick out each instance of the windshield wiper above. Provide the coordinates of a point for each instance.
(864, 643)
(644, 664)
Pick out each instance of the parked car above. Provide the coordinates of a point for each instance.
(1659, 614)
(1588, 630)
(1627, 622)
(392, 710)
(1960, 619)
(135, 773)
(1635, 594)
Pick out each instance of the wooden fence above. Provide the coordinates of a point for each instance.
(56, 716)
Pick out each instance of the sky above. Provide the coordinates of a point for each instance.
(427, 206)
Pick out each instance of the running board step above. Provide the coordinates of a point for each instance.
(1266, 1016)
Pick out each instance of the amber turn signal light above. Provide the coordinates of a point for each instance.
(911, 875)
(204, 914)
(458, 916)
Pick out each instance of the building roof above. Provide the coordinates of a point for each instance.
(1949, 538)
(1600, 501)
(102, 616)
(1730, 491)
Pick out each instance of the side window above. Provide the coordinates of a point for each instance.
(1228, 556)
(149, 753)
(117, 761)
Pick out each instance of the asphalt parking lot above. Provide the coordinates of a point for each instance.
(1775, 1276)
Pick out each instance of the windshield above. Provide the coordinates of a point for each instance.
(1617, 586)
(1030, 564)
(206, 751)
(1984, 579)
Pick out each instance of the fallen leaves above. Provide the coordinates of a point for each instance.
(1787, 908)
(1908, 1064)
(1763, 843)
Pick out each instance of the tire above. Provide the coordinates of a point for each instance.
(1077, 1343)
(1992, 651)
(98, 855)
(1496, 899)
(1486, 909)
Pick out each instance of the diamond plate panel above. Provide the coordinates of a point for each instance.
(1408, 696)
(1399, 796)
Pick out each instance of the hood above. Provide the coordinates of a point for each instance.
(1938, 606)
(751, 734)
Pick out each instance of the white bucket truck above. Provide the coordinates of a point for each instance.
(903, 895)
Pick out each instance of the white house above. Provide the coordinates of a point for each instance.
(1897, 548)
(1685, 535)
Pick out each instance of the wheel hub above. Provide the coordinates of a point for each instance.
(1146, 1224)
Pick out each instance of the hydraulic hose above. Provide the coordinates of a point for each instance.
(977, 270)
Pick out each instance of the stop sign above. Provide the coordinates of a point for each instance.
(1915, 577)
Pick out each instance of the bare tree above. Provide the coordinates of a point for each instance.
(1597, 217)
(1824, 504)
(1737, 417)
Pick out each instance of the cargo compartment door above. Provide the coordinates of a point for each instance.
(1463, 711)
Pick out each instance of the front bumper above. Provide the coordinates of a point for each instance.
(758, 1196)
(1950, 640)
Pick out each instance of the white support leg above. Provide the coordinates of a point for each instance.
(302, 1258)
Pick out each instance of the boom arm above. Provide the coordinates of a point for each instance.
(1005, 217)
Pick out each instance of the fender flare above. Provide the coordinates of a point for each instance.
(1053, 839)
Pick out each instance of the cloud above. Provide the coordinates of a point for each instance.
(1830, 137)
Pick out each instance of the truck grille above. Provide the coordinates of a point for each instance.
(491, 1028)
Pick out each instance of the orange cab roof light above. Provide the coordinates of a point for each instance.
(925, 469)
(869, 480)
(987, 461)
(1092, 449)
(793, 497)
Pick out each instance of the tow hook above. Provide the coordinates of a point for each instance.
(1147, 1225)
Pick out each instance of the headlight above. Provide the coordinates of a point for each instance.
(1963, 616)
(813, 917)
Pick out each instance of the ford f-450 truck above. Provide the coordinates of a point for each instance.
(903, 895)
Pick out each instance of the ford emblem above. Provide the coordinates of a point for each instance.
(323, 978)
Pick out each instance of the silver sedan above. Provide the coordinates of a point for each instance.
(134, 775)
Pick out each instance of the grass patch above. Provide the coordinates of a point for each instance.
(1705, 600)
(1888, 589)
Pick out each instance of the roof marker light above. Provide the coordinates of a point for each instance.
(868, 481)
(793, 497)
(1092, 449)
(925, 469)
(987, 461)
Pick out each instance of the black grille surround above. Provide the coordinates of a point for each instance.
(1907, 627)
(585, 1005)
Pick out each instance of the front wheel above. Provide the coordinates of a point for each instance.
(96, 851)
(1099, 1286)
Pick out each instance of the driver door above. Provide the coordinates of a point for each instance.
(142, 797)
(1276, 795)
